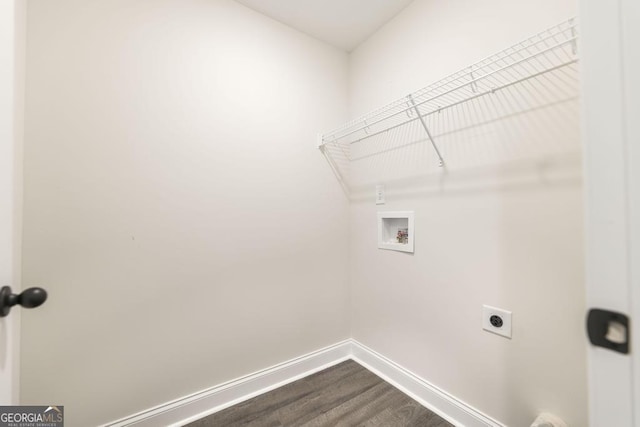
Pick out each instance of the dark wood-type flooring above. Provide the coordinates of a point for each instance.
(343, 395)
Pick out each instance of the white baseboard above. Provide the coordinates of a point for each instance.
(198, 405)
(448, 407)
(190, 408)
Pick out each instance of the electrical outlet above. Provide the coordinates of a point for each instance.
(496, 320)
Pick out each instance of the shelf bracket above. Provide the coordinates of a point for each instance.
(424, 125)
(574, 44)
(474, 85)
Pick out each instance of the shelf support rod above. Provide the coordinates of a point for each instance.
(424, 125)
(574, 43)
(474, 85)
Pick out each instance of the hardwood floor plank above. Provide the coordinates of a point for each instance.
(343, 395)
(361, 408)
(324, 399)
(384, 418)
(264, 407)
(260, 407)
(414, 414)
(411, 414)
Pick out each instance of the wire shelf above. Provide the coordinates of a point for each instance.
(538, 71)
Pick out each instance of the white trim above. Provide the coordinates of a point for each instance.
(198, 405)
(190, 408)
(437, 400)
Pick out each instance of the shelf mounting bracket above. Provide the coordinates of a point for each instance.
(424, 125)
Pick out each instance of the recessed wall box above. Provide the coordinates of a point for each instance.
(395, 231)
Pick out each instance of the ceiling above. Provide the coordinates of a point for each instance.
(342, 23)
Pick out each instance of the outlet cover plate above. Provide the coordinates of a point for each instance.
(380, 195)
(505, 329)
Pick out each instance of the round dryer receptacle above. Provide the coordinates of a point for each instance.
(496, 321)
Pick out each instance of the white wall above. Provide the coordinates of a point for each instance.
(176, 207)
(504, 235)
(18, 174)
(189, 232)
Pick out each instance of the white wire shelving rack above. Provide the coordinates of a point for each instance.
(530, 62)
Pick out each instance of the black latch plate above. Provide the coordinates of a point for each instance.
(598, 321)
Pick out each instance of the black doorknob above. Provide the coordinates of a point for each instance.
(29, 298)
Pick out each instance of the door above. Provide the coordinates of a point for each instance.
(611, 115)
(9, 139)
